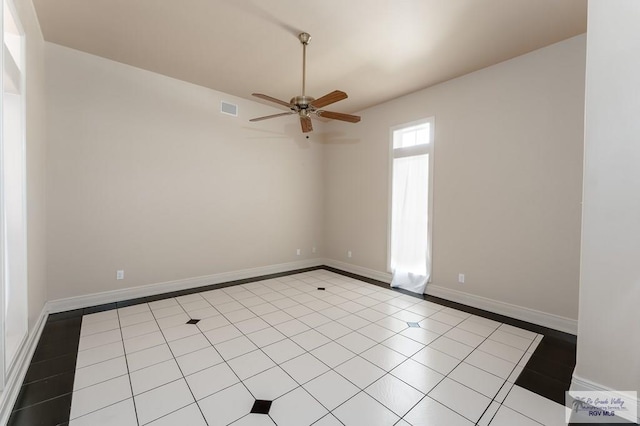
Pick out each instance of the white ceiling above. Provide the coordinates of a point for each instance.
(375, 50)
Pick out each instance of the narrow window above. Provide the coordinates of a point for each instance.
(411, 194)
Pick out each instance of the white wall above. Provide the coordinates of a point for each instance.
(146, 175)
(609, 320)
(507, 183)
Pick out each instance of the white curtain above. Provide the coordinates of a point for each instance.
(410, 257)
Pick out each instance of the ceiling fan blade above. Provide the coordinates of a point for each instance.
(338, 116)
(266, 117)
(271, 99)
(329, 98)
(305, 122)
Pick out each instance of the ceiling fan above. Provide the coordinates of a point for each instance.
(304, 105)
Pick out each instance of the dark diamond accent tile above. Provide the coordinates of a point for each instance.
(321, 288)
(52, 412)
(261, 406)
(413, 324)
(193, 321)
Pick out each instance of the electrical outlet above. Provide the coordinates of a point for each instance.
(120, 274)
(349, 253)
(461, 278)
(313, 250)
(298, 252)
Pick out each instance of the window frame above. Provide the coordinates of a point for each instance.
(429, 149)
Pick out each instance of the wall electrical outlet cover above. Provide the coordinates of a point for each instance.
(461, 278)
(120, 274)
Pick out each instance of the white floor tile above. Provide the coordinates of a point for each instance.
(333, 330)
(476, 327)
(393, 324)
(277, 317)
(198, 360)
(99, 354)
(292, 327)
(227, 406)
(310, 339)
(168, 311)
(376, 332)
(136, 318)
(383, 357)
(250, 364)
(403, 345)
(88, 328)
(239, 315)
(334, 313)
(211, 380)
(420, 335)
(227, 307)
(296, 408)
(394, 394)
(513, 340)
(98, 396)
(535, 406)
(447, 318)
(477, 379)
(157, 375)
(100, 372)
(436, 360)
(235, 347)
(99, 317)
(134, 309)
(429, 412)
(488, 415)
(164, 303)
(417, 375)
(119, 414)
(460, 399)
(364, 410)
(210, 323)
(332, 354)
(328, 420)
(508, 417)
(172, 321)
(189, 344)
(99, 339)
(222, 334)
(517, 331)
(369, 314)
(283, 350)
(148, 357)
(180, 332)
(314, 319)
(270, 384)
(304, 368)
(354, 322)
(187, 416)
(266, 337)
(196, 305)
(408, 316)
(463, 336)
(360, 372)
(250, 325)
(506, 352)
(331, 389)
(139, 329)
(356, 342)
(252, 419)
(161, 401)
(451, 347)
(435, 326)
(263, 309)
(204, 313)
(145, 341)
(298, 311)
(489, 363)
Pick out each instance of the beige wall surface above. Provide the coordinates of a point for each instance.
(609, 320)
(35, 158)
(146, 175)
(507, 183)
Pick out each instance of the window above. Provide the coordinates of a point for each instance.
(410, 211)
(13, 232)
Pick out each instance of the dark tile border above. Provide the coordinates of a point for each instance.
(45, 395)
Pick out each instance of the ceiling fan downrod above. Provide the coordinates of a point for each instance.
(304, 38)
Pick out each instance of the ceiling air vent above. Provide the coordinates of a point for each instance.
(230, 109)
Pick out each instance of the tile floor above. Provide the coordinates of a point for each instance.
(321, 348)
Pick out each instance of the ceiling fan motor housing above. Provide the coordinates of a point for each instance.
(301, 102)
